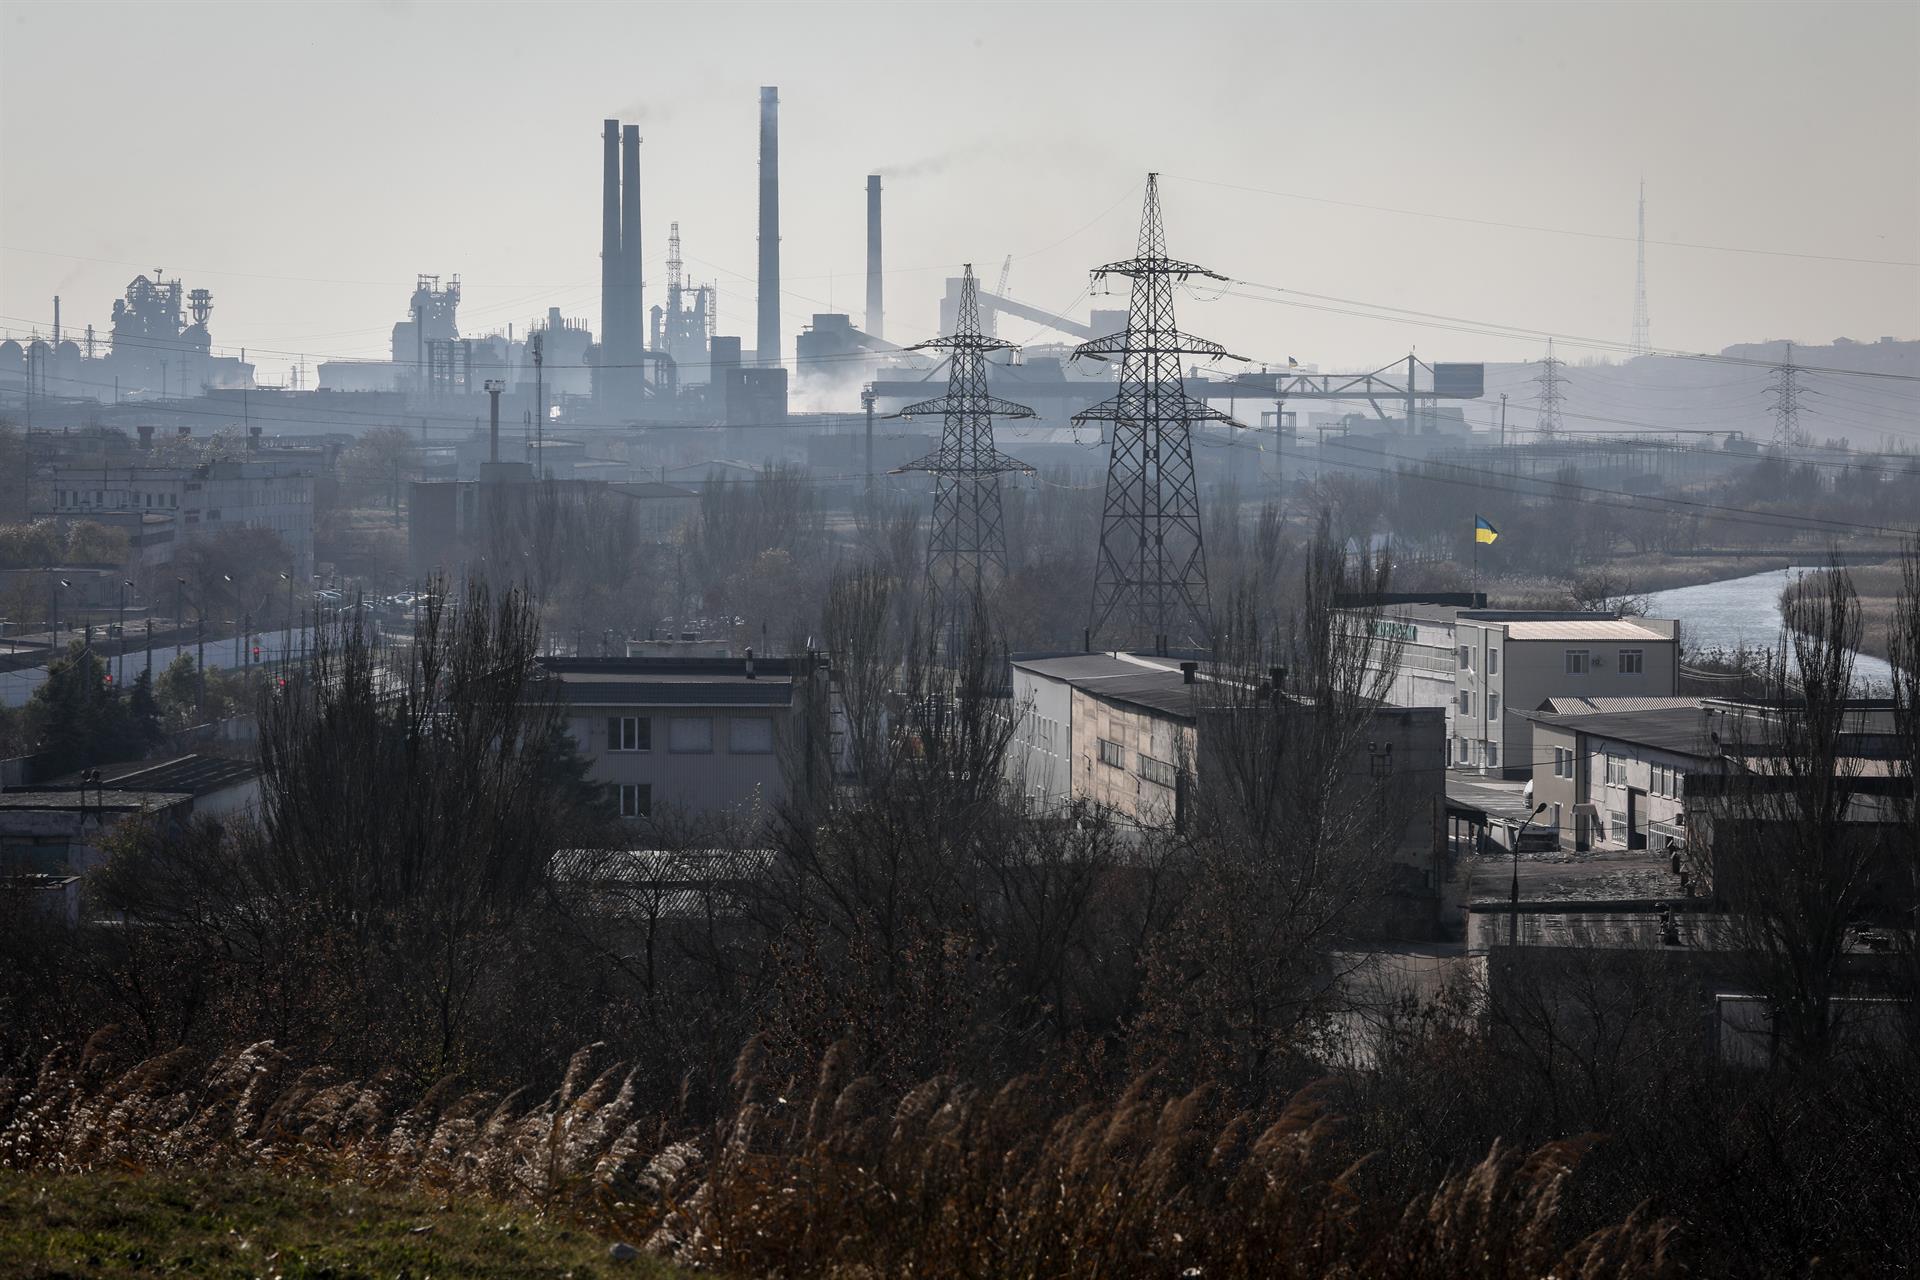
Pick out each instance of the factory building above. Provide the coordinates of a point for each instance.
(166, 508)
(160, 348)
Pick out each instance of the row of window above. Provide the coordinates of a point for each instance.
(746, 735)
(1461, 751)
(98, 498)
(1668, 782)
(1113, 754)
(1629, 662)
(1466, 704)
(1466, 659)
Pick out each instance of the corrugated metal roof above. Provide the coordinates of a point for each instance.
(1576, 705)
(1595, 629)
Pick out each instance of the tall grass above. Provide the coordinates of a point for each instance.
(842, 1178)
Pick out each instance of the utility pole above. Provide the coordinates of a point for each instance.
(1547, 403)
(539, 406)
(120, 624)
(867, 397)
(1503, 419)
(1151, 572)
(967, 540)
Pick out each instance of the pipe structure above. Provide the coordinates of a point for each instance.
(611, 297)
(876, 324)
(767, 340)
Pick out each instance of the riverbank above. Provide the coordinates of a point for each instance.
(1878, 588)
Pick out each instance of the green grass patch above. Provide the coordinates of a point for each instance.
(255, 1224)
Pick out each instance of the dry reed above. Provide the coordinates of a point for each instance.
(839, 1178)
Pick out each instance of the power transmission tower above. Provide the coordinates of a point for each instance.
(1150, 581)
(1546, 417)
(967, 540)
(1642, 342)
(1785, 392)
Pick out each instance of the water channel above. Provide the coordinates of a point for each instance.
(1736, 611)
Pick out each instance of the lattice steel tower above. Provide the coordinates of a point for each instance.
(1786, 391)
(1642, 339)
(967, 541)
(1150, 581)
(1546, 418)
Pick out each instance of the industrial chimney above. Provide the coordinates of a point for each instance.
(875, 322)
(767, 342)
(633, 309)
(610, 293)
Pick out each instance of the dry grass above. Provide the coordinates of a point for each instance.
(841, 1178)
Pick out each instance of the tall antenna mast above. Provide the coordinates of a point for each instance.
(1150, 579)
(1642, 343)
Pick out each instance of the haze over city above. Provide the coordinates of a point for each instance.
(855, 640)
(217, 141)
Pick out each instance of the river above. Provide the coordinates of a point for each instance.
(1736, 611)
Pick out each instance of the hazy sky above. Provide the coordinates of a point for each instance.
(304, 161)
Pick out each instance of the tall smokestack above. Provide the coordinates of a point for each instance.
(610, 295)
(633, 310)
(876, 323)
(767, 342)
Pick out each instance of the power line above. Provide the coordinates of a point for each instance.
(1558, 231)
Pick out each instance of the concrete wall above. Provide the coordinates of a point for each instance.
(718, 782)
(1133, 788)
(1039, 758)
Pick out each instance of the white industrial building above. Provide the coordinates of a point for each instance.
(1487, 667)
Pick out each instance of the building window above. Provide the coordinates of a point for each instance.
(1460, 749)
(750, 735)
(1466, 657)
(1616, 770)
(1493, 755)
(1676, 784)
(636, 801)
(1111, 753)
(1493, 706)
(690, 733)
(1633, 662)
(1493, 662)
(1158, 772)
(1466, 702)
(1577, 661)
(629, 733)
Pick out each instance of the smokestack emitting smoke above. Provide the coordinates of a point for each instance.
(610, 298)
(633, 309)
(767, 341)
(875, 320)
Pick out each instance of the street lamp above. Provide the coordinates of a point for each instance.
(120, 679)
(1513, 913)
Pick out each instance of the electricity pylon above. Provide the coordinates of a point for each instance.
(1546, 417)
(967, 542)
(1786, 391)
(1150, 580)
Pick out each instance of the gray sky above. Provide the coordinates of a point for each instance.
(304, 161)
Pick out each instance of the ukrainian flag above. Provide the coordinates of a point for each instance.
(1483, 530)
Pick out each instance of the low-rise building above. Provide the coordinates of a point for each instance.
(698, 737)
(1486, 667)
(165, 508)
(1139, 737)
